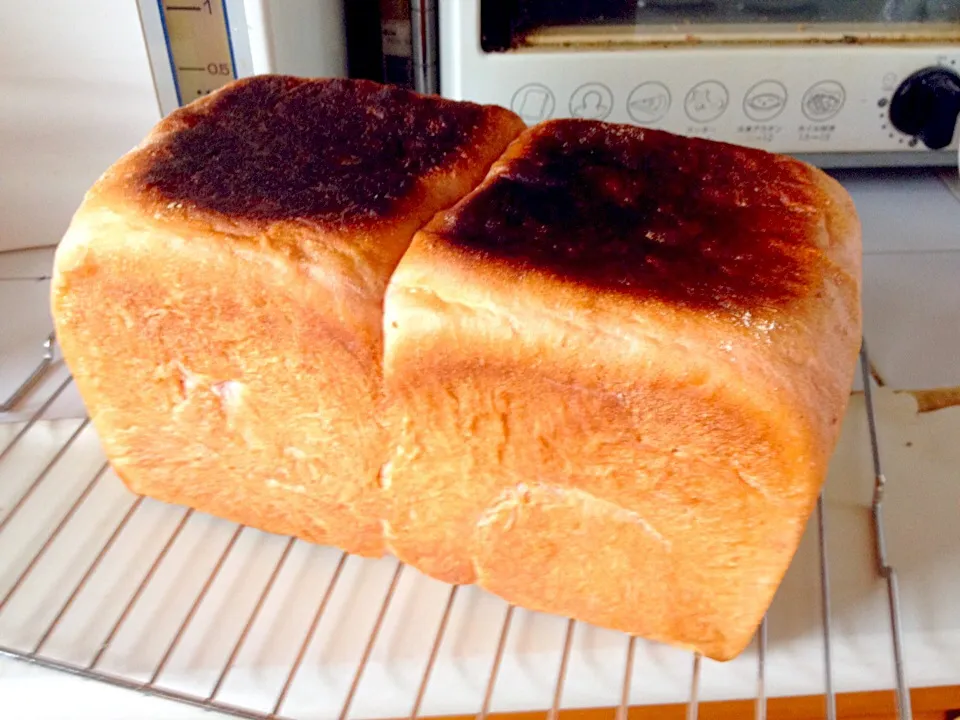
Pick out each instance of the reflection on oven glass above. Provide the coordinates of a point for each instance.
(673, 3)
(726, 11)
(777, 6)
(903, 10)
(753, 11)
(942, 10)
(510, 25)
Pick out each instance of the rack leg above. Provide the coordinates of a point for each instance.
(886, 571)
(431, 661)
(624, 708)
(829, 696)
(693, 707)
(562, 674)
(497, 660)
(760, 712)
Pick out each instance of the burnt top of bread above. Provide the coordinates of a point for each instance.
(648, 214)
(278, 148)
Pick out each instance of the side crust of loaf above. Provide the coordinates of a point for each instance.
(218, 295)
(634, 449)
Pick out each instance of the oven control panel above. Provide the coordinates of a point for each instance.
(856, 105)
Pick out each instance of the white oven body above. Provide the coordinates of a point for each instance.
(827, 103)
(295, 37)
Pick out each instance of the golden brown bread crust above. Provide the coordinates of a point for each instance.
(618, 370)
(218, 295)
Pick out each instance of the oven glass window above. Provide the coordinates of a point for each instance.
(513, 24)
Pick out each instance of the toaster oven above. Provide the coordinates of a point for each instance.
(841, 83)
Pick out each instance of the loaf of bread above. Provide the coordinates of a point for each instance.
(218, 295)
(606, 383)
(617, 371)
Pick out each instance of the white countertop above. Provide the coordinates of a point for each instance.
(912, 322)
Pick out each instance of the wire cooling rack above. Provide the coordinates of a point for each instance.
(147, 680)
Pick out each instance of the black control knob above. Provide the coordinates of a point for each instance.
(926, 105)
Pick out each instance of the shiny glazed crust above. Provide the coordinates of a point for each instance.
(218, 295)
(630, 428)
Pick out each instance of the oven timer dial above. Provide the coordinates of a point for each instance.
(927, 105)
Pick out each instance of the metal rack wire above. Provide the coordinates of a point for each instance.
(212, 700)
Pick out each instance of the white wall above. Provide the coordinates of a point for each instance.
(75, 94)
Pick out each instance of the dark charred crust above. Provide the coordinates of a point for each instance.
(281, 148)
(645, 213)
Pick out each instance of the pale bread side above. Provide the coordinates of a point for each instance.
(640, 450)
(218, 295)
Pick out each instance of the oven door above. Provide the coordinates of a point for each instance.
(831, 80)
